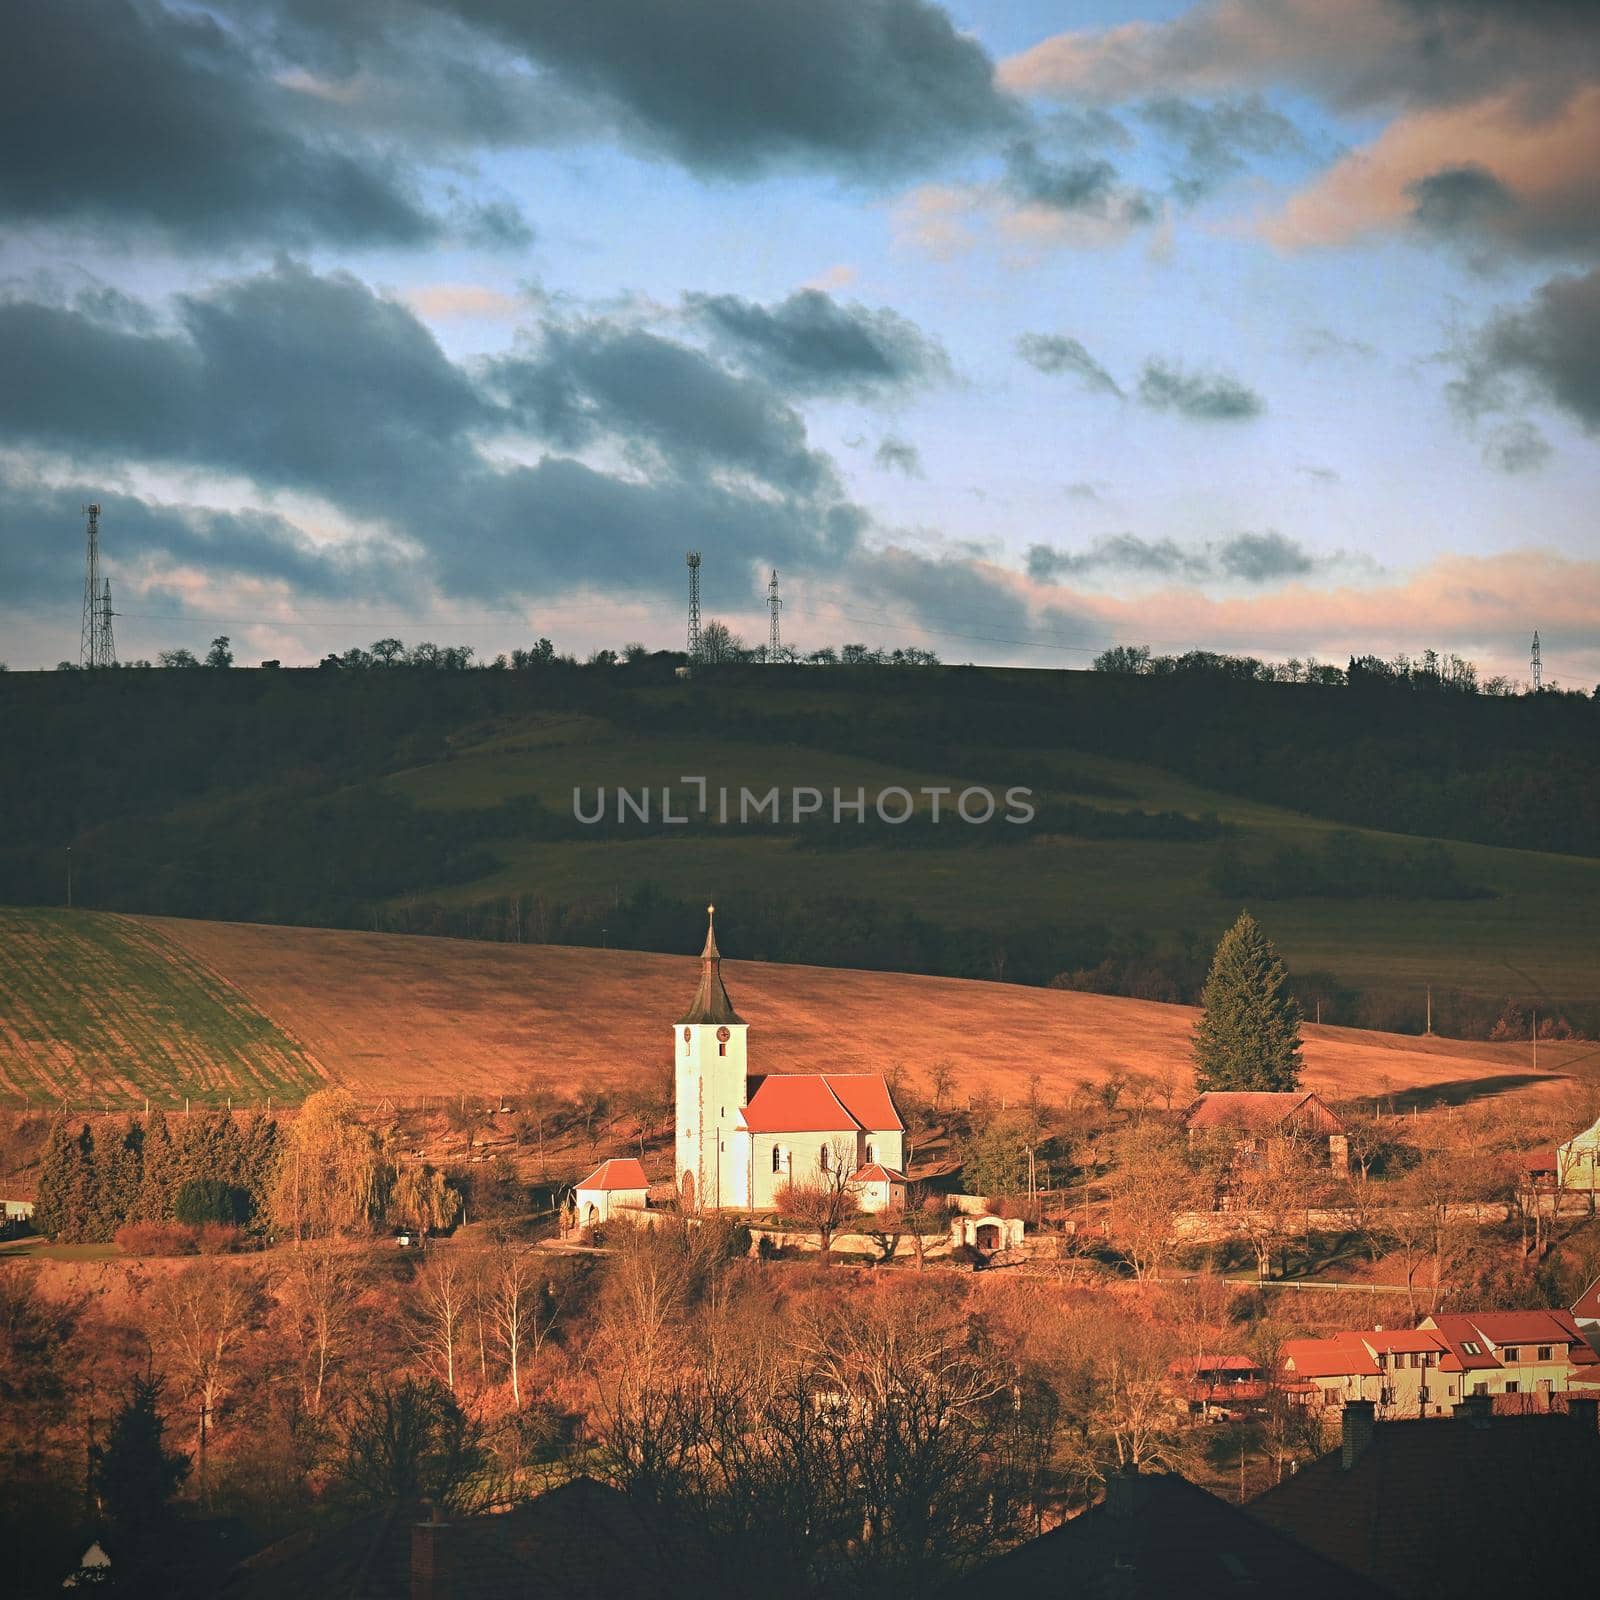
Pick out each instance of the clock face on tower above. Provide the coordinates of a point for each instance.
(723, 1036)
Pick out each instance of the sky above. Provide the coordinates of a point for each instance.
(1007, 329)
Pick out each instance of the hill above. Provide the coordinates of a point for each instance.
(389, 1015)
(1390, 840)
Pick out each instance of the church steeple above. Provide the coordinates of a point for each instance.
(711, 1002)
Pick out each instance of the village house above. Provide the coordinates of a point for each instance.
(741, 1139)
(1263, 1124)
(1424, 1371)
(1220, 1385)
(1586, 1314)
(1577, 1164)
(618, 1184)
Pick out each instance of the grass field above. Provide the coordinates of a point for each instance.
(96, 1005)
(1499, 948)
(391, 1015)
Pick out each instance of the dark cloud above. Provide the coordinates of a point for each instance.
(596, 380)
(1549, 350)
(1215, 138)
(1455, 198)
(813, 344)
(1082, 491)
(1516, 447)
(1253, 558)
(1057, 353)
(1087, 184)
(287, 378)
(1204, 397)
(898, 455)
(142, 537)
(870, 87)
(311, 384)
(130, 115)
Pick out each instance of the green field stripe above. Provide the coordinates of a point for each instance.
(134, 1014)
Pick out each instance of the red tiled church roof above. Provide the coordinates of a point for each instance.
(876, 1172)
(819, 1102)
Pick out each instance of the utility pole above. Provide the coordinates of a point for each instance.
(1536, 1038)
(69, 877)
(1429, 1029)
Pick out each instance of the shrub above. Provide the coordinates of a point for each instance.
(155, 1239)
(219, 1238)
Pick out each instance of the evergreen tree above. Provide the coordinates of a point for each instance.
(135, 1477)
(66, 1200)
(57, 1170)
(117, 1192)
(259, 1164)
(158, 1177)
(1249, 1034)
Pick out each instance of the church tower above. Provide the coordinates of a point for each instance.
(708, 1052)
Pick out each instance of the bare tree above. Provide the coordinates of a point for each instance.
(443, 1307)
(321, 1290)
(942, 1077)
(201, 1317)
(523, 1304)
(1150, 1185)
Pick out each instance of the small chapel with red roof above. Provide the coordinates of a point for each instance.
(741, 1138)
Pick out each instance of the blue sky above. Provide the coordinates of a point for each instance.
(1010, 330)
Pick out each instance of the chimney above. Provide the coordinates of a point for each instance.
(430, 1556)
(1476, 1410)
(1585, 1411)
(1358, 1424)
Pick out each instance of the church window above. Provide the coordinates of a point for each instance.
(777, 1158)
(823, 1158)
(722, 1047)
(870, 1156)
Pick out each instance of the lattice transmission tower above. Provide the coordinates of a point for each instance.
(774, 605)
(693, 559)
(96, 648)
(1535, 665)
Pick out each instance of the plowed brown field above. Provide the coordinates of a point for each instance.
(391, 1015)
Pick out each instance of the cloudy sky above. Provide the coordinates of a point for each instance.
(1007, 328)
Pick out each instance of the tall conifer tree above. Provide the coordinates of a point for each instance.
(1249, 1034)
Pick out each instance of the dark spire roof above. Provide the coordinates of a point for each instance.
(711, 1002)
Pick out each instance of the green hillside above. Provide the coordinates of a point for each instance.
(1153, 889)
(92, 1004)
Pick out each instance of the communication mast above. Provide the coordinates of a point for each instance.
(774, 605)
(95, 647)
(693, 558)
(1535, 666)
(108, 643)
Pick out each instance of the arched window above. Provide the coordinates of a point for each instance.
(870, 1156)
(824, 1158)
(777, 1158)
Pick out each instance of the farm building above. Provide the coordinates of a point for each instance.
(1263, 1123)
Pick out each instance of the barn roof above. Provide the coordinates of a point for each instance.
(1261, 1111)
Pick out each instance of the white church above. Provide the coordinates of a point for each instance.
(740, 1139)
